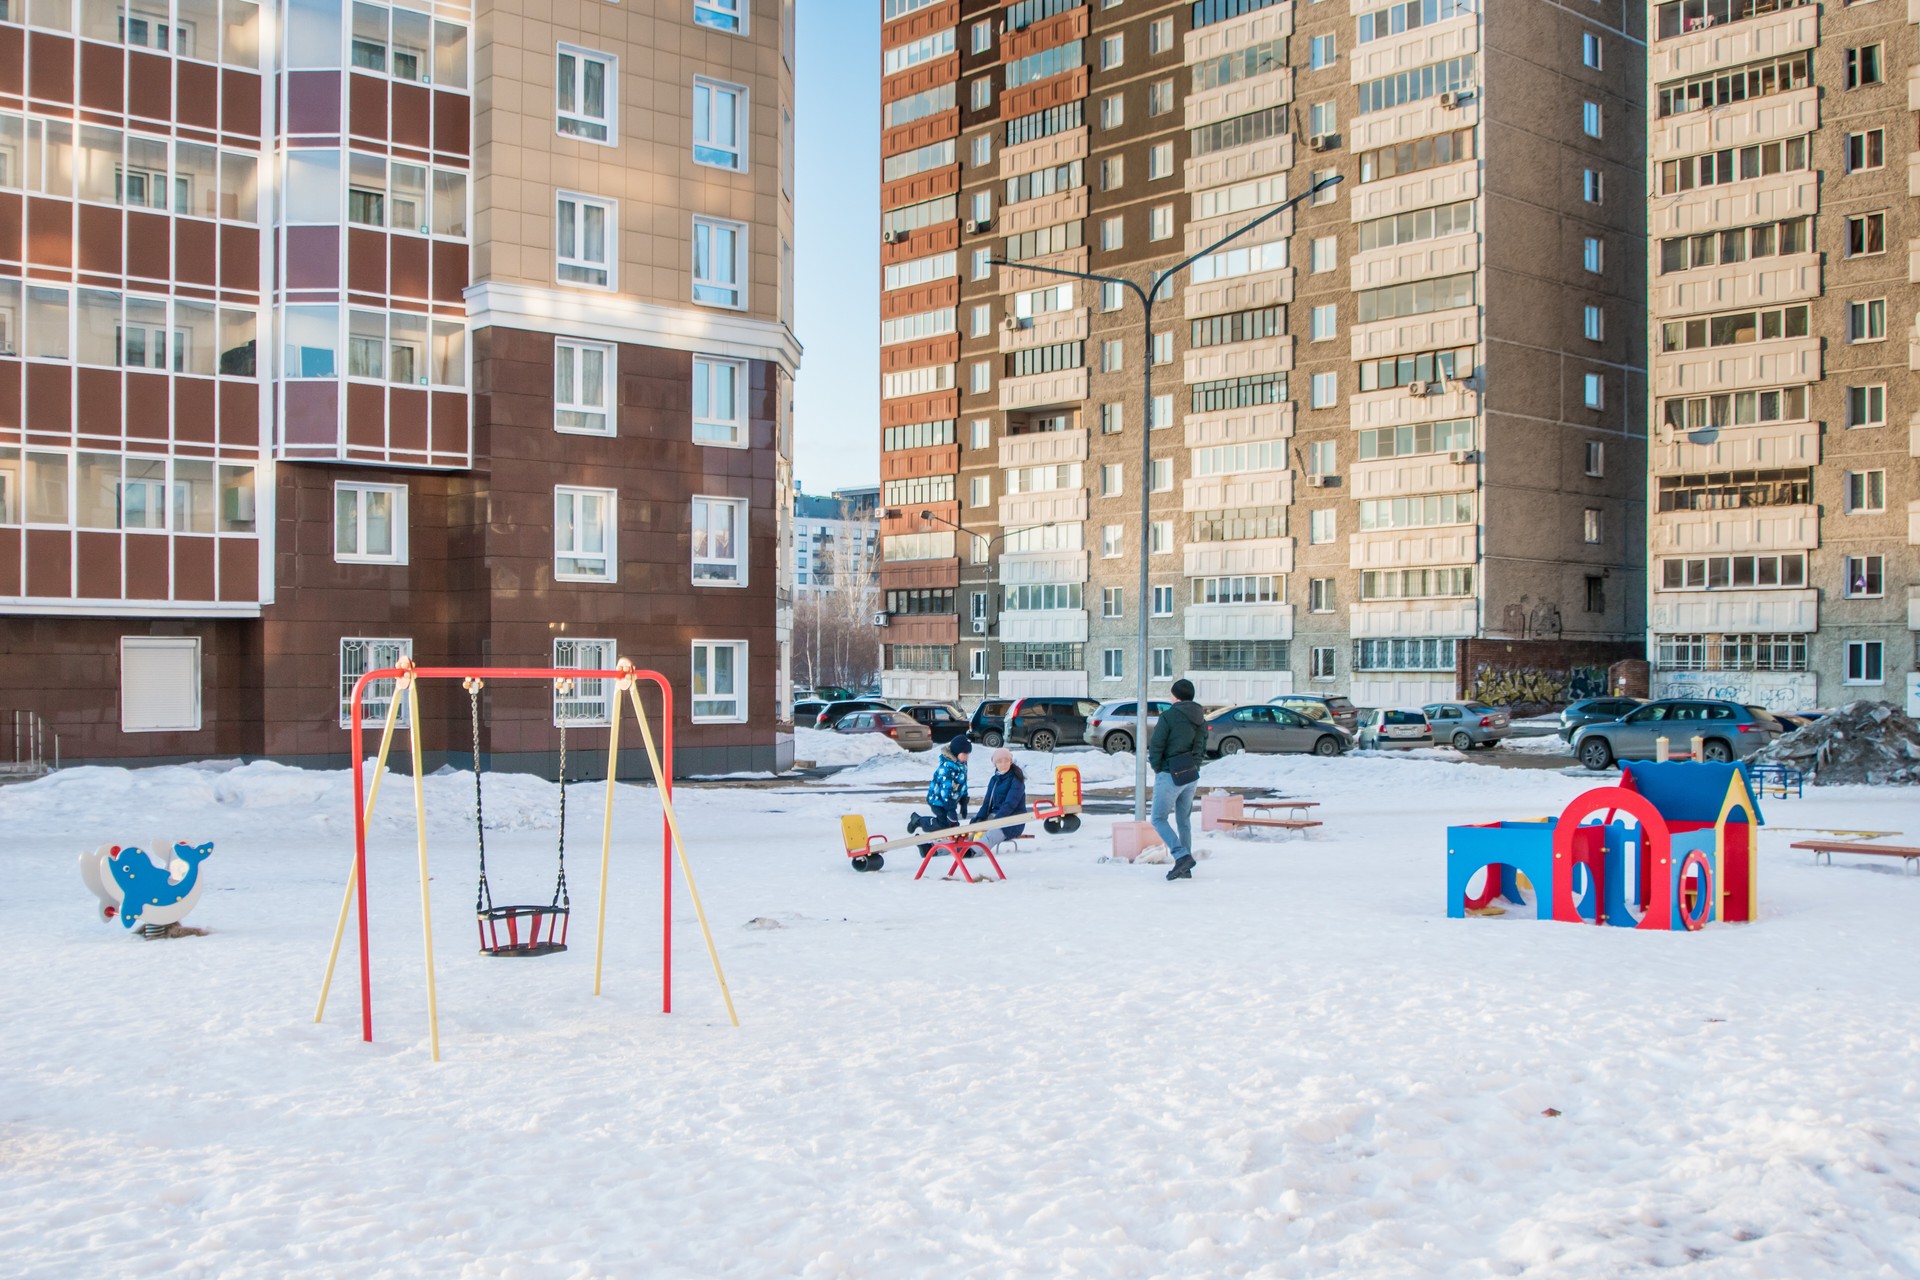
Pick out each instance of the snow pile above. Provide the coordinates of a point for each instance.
(827, 749)
(1870, 742)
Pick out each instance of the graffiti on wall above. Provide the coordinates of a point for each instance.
(1535, 687)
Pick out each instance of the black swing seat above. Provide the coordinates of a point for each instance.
(523, 931)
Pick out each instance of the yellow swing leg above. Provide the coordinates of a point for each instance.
(679, 844)
(426, 904)
(353, 865)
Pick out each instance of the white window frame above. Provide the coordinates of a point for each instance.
(1162, 663)
(1593, 186)
(1593, 254)
(1591, 121)
(742, 117)
(572, 354)
(1596, 457)
(610, 499)
(1591, 529)
(590, 703)
(737, 562)
(380, 693)
(1593, 390)
(710, 429)
(701, 669)
(1859, 492)
(564, 262)
(730, 16)
(1160, 538)
(1318, 536)
(1865, 310)
(1868, 395)
(1325, 664)
(1113, 51)
(1863, 648)
(1590, 50)
(398, 494)
(1865, 592)
(1113, 664)
(738, 283)
(1159, 161)
(576, 111)
(1593, 323)
(190, 645)
(1323, 390)
(1160, 479)
(1162, 601)
(1160, 222)
(1113, 540)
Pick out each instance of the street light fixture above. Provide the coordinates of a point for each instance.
(1147, 297)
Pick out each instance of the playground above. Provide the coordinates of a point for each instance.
(1296, 1063)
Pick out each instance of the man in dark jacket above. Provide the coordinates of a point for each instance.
(1178, 745)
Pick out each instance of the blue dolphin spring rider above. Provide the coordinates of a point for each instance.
(143, 893)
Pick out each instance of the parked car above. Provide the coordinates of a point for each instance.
(831, 713)
(942, 719)
(1467, 725)
(806, 712)
(1267, 728)
(1394, 729)
(1112, 725)
(1792, 720)
(898, 725)
(1335, 707)
(1594, 711)
(1727, 730)
(1041, 723)
(834, 693)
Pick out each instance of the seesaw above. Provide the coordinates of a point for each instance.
(1062, 814)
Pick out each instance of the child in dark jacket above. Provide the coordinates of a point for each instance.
(947, 793)
(1006, 796)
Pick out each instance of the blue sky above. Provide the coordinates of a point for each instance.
(837, 245)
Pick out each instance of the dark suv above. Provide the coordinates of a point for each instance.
(1042, 722)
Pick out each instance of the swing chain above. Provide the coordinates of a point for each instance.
(560, 897)
(483, 896)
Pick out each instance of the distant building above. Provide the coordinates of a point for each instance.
(828, 530)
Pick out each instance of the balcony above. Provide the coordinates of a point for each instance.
(1701, 612)
(1224, 559)
(1042, 447)
(1239, 622)
(1066, 388)
(1389, 618)
(1044, 331)
(1795, 528)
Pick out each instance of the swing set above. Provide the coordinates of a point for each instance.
(533, 930)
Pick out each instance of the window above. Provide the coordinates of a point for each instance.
(1160, 222)
(981, 433)
(1321, 53)
(1867, 406)
(1323, 255)
(1160, 36)
(1160, 537)
(1321, 455)
(1113, 51)
(982, 323)
(1866, 492)
(159, 684)
(1160, 412)
(1159, 97)
(719, 263)
(1590, 119)
(1162, 475)
(1322, 659)
(1865, 576)
(1867, 321)
(1110, 536)
(1324, 194)
(719, 124)
(1593, 255)
(1866, 150)
(1113, 356)
(1162, 664)
(1112, 480)
(584, 84)
(583, 535)
(1590, 50)
(1113, 171)
(370, 523)
(1596, 458)
(1590, 186)
(1865, 662)
(1594, 390)
(719, 681)
(1863, 66)
(1324, 390)
(1590, 525)
(1163, 347)
(1324, 323)
(1112, 297)
(1320, 595)
(580, 382)
(1113, 111)
(1111, 602)
(359, 656)
(583, 240)
(588, 702)
(1113, 664)
(1321, 526)
(1162, 601)
(980, 152)
(980, 377)
(1323, 120)
(1113, 232)
(722, 15)
(1866, 234)
(1593, 324)
(1596, 594)
(980, 491)
(1112, 419)
(976, 664)
(719, 541)
(982, 37)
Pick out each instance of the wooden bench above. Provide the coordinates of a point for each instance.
(1831, 847)
(1220, 811)
(1296, 809)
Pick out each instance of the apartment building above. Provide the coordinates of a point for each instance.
(1785, 497)
(835, 539)
(354, 332)
(1408, 412)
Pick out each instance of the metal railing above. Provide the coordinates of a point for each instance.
(27, 740)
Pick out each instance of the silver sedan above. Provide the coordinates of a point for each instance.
(1466, 725)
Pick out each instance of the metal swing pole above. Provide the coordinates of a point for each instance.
(364, 815)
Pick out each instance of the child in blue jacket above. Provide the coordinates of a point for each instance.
(947, 793)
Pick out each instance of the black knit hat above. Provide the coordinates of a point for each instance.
(1183, 690)
(960, 744)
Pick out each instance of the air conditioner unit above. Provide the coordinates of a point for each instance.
(1416, 388)
(1461, 457)
(1321, 142)
(976, 225)
(979, 626)
(880, 619)
(1451, 99)
(892, 237)
(1320, 482)
(1013, 324)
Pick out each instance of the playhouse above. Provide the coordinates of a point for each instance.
(1674, 846)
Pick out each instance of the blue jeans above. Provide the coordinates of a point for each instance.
(1170, 796)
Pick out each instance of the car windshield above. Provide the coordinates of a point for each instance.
(1340, 704)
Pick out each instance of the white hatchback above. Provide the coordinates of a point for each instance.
(1395, 729)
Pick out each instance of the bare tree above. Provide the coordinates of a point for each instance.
(834, 639)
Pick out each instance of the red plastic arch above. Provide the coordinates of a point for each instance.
(1656, 841)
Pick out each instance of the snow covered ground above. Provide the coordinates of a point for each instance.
(1293, 1065)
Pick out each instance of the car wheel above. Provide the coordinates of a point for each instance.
(1040, 740)
(1327, 746)
(1717, 750)
(990, 739)
(1461, 742)
(1596, 754)
(1118, 743)
(1231, 746)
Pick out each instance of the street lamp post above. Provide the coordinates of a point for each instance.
(1147, 297)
